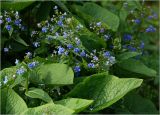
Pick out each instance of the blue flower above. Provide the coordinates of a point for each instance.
(107, 37)
(8, 27)
(8, 19)
(17, 22)
(55, 7)
(127, 37)
(98, 24)
(95, 58)
(137, 21)
(5, 80)
(65, 34)
(142, 45)
(91, 65)
(6, 49)
(1, 21)
(44, 29)
(101, 30)
(106, 54)
(150, 29)
(83, 54)
(20, 71)
(36, 44)
(29, 54)
(112, 60)
(32, 65)
(131, 48)
(69, 46)
(77, 69)
(60, 23)
(60, 50)
(17, 61)
(76, 50)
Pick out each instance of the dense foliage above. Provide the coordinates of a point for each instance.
(66, 57)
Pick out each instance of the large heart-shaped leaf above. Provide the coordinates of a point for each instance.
(104, 89)
(38, 93)
(76, 104)
(137, 67)
(93, 12)
(49, 109)
(52, 74)
(11, 102)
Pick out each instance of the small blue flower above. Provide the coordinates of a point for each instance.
(137, 21)
(5, 80)
(77, 69)
(69, 46)
(65, 34)
(112, 60)
(78, 41)
(142, 45)
(8, 27)
(127, 37)
(44, 30)
(91, 65)
(106, 54)
(95, 58)
(60, 50)
(101, 30)
(83, 54)
(32, 65)
(66, 53)
(36, 44)
(60, 23)
(6, 49)
(55, 7)
(150, 29)
(1, 21)
(17, 61)
(107, 37)
(131, 48)
(76, 50)
(98, 24)
(20, 71)
(29, 54)
(17, 22)
(8, 19)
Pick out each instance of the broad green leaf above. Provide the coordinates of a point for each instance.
(127, 55)
(104, 89)
(76, 104)
(136, 104)
(38, 93)
(21, 41)
(49, 109)
(137, 67)
(11, 102)
(52, 74)
(93, 12)
(16, 4)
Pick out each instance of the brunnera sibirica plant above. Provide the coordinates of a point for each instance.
(68, 57)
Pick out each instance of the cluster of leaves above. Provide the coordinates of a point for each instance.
(75, 57)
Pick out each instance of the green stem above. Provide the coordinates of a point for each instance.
(26, 85)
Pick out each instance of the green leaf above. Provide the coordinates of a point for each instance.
(104, 89)
(137, 67)
(49, 109)
(16, 4)
(93, 12)
(136, 104)
(75, 103)
(11, 102)
(38, 93)
(21, 41)
(127, 55)
(53, 74)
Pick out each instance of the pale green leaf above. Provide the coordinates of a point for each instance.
(104, 89)
(38, 93)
